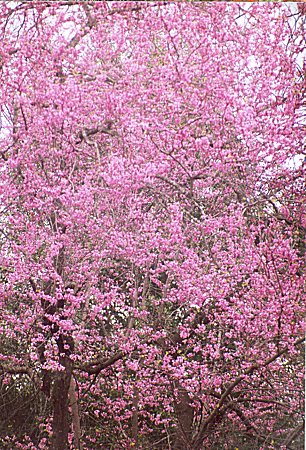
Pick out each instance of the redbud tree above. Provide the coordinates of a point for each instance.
(152, 225)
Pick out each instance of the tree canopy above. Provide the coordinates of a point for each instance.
(152, 225)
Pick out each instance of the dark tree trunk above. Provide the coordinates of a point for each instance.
(60, 399)
(75, 415)
(185, 414)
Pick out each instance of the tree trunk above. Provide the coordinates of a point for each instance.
(76, 426)
(60, 402)
(185, 414)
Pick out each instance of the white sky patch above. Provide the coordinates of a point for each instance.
(295, 161)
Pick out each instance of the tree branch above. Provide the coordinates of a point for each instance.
(294, 434)
(199, 438)
(21, 370)
(95, 367)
